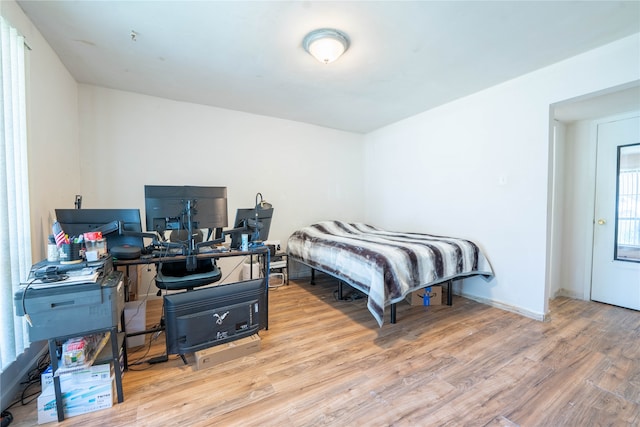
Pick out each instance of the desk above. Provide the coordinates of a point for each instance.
(148, 259)
(262, 252)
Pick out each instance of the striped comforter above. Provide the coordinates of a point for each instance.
(385, 265)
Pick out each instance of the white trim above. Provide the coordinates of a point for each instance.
(542, 317)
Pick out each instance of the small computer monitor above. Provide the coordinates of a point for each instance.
(169, 207)
(246, 218)
(75, 222)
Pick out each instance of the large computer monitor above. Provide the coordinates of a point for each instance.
(170, 207)
(240, 309)
(75, 222)
(246, 218)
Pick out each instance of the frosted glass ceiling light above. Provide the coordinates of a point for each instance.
(326, 44)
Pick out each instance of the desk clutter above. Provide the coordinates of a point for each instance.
(73, 249)
(92, 246)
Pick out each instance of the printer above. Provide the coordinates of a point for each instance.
(66, 300)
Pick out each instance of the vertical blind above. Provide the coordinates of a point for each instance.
(15, 240)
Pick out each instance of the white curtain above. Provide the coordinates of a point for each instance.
(15, 234)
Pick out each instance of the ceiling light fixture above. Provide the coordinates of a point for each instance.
(326, 44)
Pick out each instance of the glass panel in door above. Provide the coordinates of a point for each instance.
(627, 245)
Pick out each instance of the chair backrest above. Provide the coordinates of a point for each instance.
(178, 236)
(179, 269)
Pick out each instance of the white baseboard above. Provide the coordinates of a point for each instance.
(511, 308)
(569, 294)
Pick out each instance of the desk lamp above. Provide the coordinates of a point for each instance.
(261, 205)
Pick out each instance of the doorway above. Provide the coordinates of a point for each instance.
(572, 207)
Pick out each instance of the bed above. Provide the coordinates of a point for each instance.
(385, 265)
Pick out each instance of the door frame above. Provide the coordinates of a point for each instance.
(571, 209)
(571, 185)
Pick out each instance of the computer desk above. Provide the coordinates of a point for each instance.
(262, 252)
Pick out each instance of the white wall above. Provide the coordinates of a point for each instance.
(127, 140)
(52, 132)
(580, 167)
(478, 168)
(52, 129)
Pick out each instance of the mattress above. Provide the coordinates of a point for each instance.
(385, 265)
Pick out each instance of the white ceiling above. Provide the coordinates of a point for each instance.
(405, 57)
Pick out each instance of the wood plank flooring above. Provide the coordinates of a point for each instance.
(326, 362)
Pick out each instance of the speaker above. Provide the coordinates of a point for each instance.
(126, 252)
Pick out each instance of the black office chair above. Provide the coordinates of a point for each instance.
(173, 276)
(176, 276)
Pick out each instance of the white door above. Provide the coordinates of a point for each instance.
(616, 246)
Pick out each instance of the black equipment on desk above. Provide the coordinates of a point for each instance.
(75, 222)
(122, 228)
(186, 207)
(186, 211)
(246, 223)
(44, 269)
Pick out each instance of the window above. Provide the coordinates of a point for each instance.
(15, 244)
(628, 215)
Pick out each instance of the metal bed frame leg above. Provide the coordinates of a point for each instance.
(393, 306)
(449, 300)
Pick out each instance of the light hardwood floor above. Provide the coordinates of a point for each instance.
(325, 362)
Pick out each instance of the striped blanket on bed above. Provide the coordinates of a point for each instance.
(385, 265)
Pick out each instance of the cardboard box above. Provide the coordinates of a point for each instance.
(77, 398)
(218, 354)
(431, 295)
(135, 320)
(91, 374)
